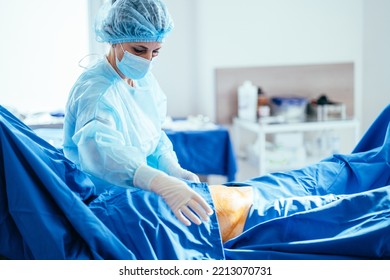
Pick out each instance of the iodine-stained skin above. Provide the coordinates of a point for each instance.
(232, 205)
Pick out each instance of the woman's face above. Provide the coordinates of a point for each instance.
(147, 50)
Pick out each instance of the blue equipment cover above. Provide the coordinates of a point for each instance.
(205, 152)
(338, 208)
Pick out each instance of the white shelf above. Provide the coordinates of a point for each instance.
(262, 130)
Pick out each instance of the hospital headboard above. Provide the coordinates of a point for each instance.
(336, 80)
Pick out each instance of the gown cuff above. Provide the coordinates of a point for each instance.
(144, 175)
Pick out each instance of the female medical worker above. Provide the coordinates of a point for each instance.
(115, 111)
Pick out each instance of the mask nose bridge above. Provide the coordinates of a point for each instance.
(146, 55)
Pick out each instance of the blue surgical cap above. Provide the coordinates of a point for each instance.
(133, 21)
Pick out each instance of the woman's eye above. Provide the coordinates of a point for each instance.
(138, 51)
(155, 53)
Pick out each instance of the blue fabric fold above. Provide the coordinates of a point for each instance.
(338, 208)
(49, 210)
(43, 214)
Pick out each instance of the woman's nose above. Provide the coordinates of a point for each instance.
(148, 55)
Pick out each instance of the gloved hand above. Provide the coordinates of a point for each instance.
(186, 204)
(171, 167)
(179, 172)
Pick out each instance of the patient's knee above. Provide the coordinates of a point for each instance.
(232, 205)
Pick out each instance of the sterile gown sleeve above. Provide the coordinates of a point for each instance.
(164, 150)
(103, 151)
(111, 129)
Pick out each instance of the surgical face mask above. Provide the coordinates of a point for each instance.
(133, 66)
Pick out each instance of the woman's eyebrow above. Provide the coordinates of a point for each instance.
(145, 47)
(141, 46)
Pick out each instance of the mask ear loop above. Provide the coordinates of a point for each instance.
(113, 46)
(86, 61)
(122, 48)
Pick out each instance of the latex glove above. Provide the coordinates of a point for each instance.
(185, 174)
(185, 203)
(172, 167)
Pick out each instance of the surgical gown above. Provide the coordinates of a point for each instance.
(110, 128)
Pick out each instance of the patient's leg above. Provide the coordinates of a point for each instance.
(232, 205)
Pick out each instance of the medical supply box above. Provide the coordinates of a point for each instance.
(328, 112)
(292, 109)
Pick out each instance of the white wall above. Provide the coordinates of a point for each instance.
(281, 32)
(376, 70)
(42, 42)
(40, 50)
(176, 67)
(227, 33)
(277, 32)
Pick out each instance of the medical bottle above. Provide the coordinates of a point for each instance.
(247, 101)
(263, 107)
